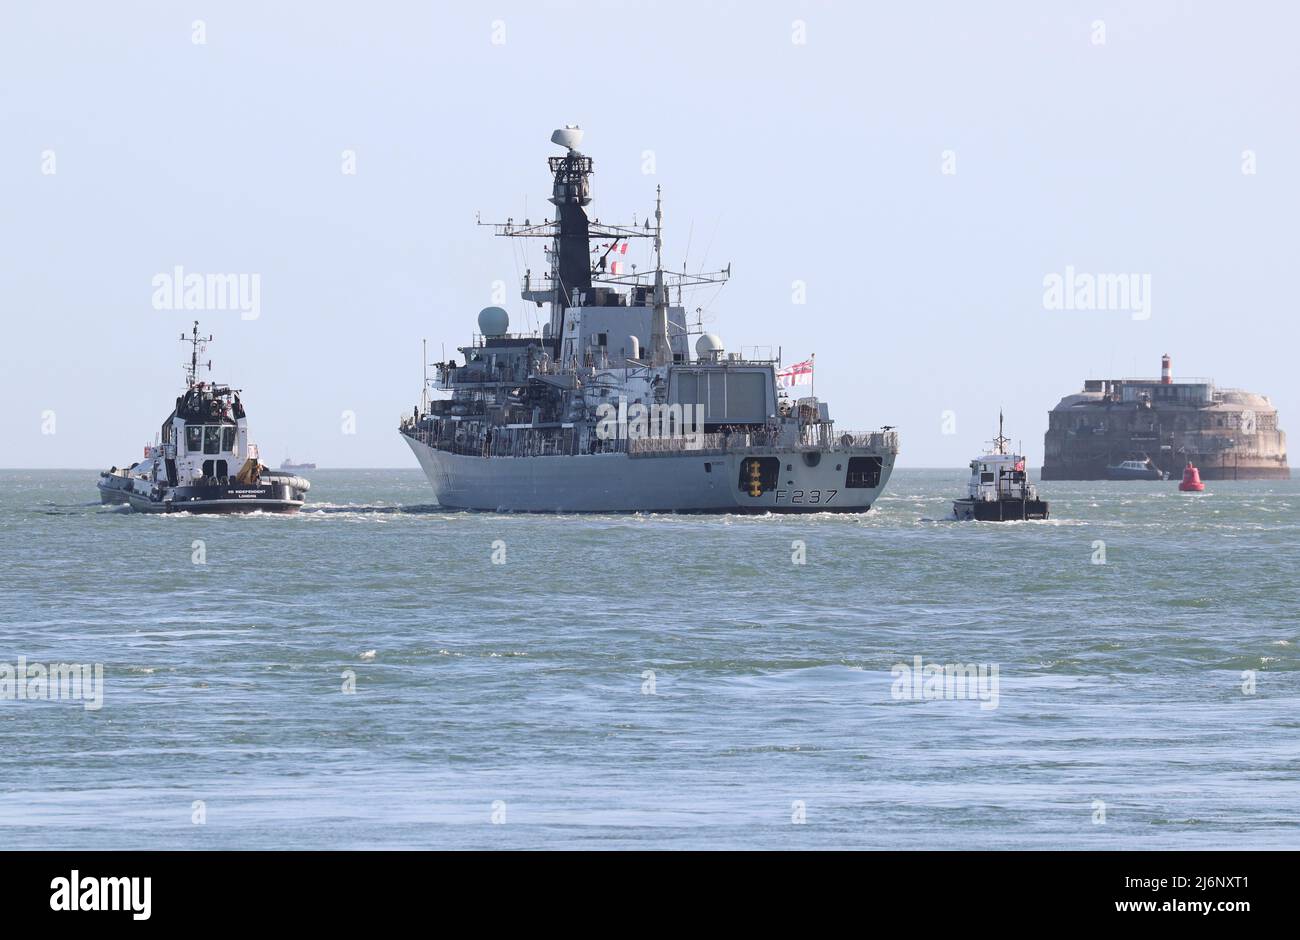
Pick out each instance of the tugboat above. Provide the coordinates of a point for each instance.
(1135, 470)
(1191, 480)
(202, 441)
(999, 488)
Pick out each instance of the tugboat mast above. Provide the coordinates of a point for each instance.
(197, 345)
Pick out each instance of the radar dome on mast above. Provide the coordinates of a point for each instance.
(709, 346)
(493, 321)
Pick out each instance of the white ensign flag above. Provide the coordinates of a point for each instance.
(801, 373)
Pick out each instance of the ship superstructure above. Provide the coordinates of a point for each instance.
(203, 461)
(1228, 433)
(609, 406)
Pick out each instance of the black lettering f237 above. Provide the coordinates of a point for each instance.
(807, 498)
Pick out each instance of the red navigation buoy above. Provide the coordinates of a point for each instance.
(1191, 480)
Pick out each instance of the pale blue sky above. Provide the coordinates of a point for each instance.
(818, 162)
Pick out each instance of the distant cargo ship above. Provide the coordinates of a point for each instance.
(290, 464)
(1228, 433)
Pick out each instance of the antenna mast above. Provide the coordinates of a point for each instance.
(198, 344)
(424, 389)
(660, 354)
(1000, 442)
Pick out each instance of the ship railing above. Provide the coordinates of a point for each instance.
(666, 446)
(568, 441)
(480, 339)
(874, 440)
(821, 435)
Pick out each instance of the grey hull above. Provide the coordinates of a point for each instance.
(617, 482)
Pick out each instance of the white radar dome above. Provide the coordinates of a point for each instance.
(493, 321)
(708, 345)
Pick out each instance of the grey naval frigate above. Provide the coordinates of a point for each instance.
(609, 407)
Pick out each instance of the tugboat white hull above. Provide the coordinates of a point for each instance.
(617, 482)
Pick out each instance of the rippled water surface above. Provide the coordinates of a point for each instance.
(520, 689)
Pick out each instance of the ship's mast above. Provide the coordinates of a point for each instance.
(198, 344)
(660, 354)
(1000, 442)
(571, 235)
(424, 388)
(571, 254)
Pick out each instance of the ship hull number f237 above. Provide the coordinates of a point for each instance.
(807, 497)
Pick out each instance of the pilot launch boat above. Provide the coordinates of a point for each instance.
(609, 407)
(999, 489)
(203, 462)
(1144, 469)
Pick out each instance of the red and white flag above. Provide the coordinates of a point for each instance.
(801, 373)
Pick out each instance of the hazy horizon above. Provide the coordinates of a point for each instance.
(913, 175)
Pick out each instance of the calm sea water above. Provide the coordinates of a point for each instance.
(520, 689)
